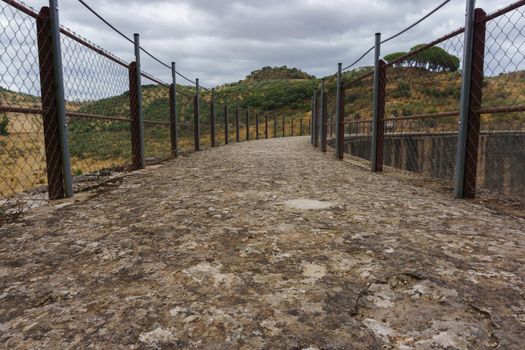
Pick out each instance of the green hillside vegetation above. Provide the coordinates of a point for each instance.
(413, 87)
(278, 73)
(272, 88)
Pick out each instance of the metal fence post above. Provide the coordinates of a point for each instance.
(301, 127)
(60, 99)
(375, 103)
(311, 124)
(471, 99)
(196, 116)
(275, 124)
(331, 125)
(266, 125)
(381, 116)
(212, 118)
(317, 120)
(137, 117)
(248, 124)
(51, 94)
(339, 117)
(226, 139)
(257, 125)
(174, 133)
(237, 122)
(324, 119)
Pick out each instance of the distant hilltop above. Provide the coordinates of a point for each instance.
(278, 73)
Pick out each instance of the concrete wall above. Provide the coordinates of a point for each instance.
(501, 157)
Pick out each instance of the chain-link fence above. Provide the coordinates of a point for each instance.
(358, 118)
(73, 114)
(420, 127)
(96, 90)
(23, 173)
(403, 115)
(501, 149)
(156, 110)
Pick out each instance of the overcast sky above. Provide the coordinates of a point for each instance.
(222, 41)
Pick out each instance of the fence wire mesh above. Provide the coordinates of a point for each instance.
(358, 115)
(156, 110)
(22, 151)
(96, 90)
(423, 91)
(185, 119)
(501, 147)
(423, 88)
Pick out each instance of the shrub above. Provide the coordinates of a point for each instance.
(4, 122)
(402, 90)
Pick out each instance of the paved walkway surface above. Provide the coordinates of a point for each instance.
(217, 250)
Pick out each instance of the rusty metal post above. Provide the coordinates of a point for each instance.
(196, 117)
(324, 119)
(248, 124)
(275, 124)
(226, 139)
(324, 127)
(237, 122)
(375, 118)
(50, 105)
(257, 125)
(312, 117)
(174, 132)
(284, 126)
(266, 125)
(212, 118)
(380, 127)
(472, 95)
(317, 121)
(331, 125)
(339, 116)
(137, 121)
(301, 127)
(340, 128)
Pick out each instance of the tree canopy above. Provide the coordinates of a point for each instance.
(434, 59)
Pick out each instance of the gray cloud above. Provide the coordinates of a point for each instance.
(222, 41)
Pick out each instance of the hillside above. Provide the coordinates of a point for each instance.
(278, 73)
(97, 144)
(277, 88)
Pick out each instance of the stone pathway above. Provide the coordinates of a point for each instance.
(263, 245)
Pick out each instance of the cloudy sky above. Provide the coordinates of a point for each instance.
(223, 40)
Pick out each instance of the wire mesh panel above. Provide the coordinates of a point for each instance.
(501, 150)
(331, 109)
(185, 119)
(219, 123)
(96, 89)
(205, 120)
(358, 116)
(423, 94)
(22, 153)
(156, 109)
